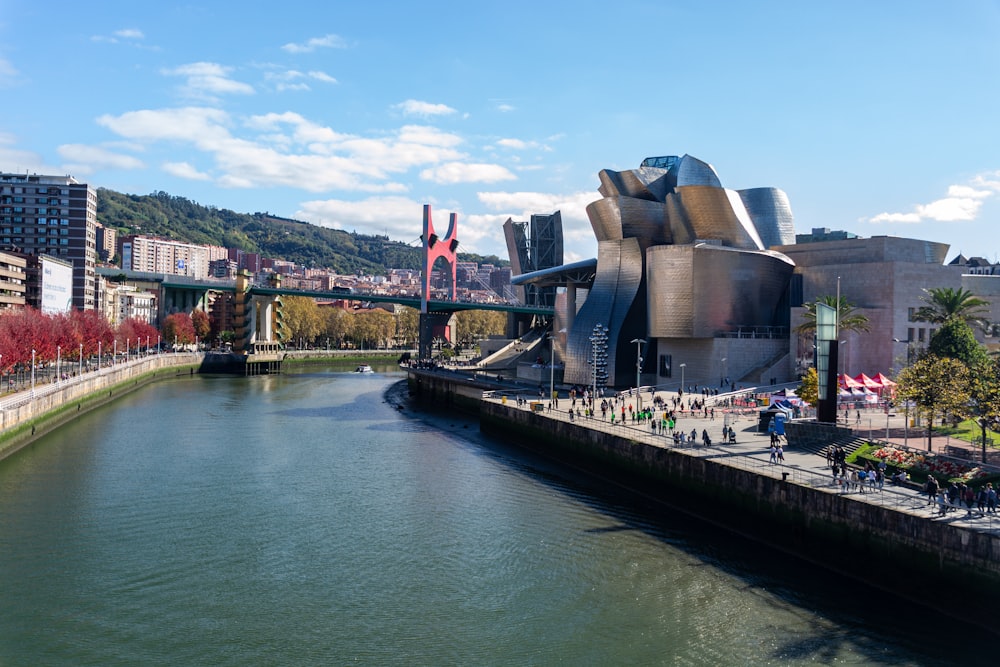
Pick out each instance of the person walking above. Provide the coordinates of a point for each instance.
(781, 454)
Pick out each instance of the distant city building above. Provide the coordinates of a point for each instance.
(820, 234)
(222, 268)
(56, 216)
(107, 242)
(150, 254)
(123, 302)
(12, 281)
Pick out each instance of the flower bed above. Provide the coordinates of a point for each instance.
(944, 469)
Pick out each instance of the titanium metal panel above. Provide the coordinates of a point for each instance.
(692, 171)
(615, 218)
(616, 287)
(771, 213)
(709, 214)
(704, 290)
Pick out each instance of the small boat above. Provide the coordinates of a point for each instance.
(364, 368)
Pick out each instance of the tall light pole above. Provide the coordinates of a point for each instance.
(58, 363)
(99, 356)
(552, 371)
(599, 347)
(723, 370)
(32, 373)
(906, 403)
(639, 342)
(79, 371)
(114, 350)
(683, 366)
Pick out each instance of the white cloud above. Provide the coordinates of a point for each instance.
(506, 108)
(129, 33)
(401, 216)
(185, 170)
(18, 160)
(204, 78)
(464, 172)
(962, 204)
(82, 159)
(290, 151)
(325, 42)
(321, 76)
(418, 108)
(296, 80)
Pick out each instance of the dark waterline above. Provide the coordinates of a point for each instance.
(301, 519)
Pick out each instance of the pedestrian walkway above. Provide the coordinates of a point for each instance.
(751, 452)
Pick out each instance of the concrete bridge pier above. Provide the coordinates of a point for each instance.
(437, 324)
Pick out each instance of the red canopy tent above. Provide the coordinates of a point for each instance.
(886, 383)
(847, 382)
(867, 382)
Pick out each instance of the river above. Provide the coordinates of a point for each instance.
(303, 519)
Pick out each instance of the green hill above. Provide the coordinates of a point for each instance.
(161, 214)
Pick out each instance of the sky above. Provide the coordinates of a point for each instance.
(878, 118)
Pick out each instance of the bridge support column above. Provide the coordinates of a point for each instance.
(434, 325)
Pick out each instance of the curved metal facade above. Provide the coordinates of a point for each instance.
(772, 213)
(679, 256)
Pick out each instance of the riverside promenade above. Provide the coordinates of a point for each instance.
(40, 406)
(751, 451)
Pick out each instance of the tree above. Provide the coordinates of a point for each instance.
(984, 391)
(808, 391)
(955, 339)
(848, 319)
(201, 323)
(408, 325)
(938, 386)
(178, 327)
(301, 318)
(943, 303)
(337, 325)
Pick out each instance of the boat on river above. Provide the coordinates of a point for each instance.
(364, 368)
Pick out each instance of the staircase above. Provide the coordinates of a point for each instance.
(816, 438)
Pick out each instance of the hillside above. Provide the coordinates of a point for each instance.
(161, 214)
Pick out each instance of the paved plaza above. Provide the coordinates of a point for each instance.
(752, 448)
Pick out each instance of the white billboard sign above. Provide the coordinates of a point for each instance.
(56, 286)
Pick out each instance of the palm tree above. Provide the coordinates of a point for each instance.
(847, 318)
(944, 303)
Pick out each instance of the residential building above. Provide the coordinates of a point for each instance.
(150, 254)
(56, 216)
(12, 281)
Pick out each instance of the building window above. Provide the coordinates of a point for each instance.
(920, 335)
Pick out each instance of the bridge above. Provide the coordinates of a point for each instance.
(257, 325)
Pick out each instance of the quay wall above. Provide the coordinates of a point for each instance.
(925, 561)
(22, 419)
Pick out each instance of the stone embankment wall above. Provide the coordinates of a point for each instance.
(23, 418)
(914, 556)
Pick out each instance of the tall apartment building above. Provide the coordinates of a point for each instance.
(12, 281)
(154, 255)
(107, 242)
(52, 215)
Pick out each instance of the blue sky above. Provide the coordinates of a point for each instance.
(880, 118)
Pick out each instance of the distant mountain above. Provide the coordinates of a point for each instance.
(312, 246)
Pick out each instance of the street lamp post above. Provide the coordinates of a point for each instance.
(114, 355)
(639, 342)
(552, 371)
(599, 345)
(32, 373)
(683, 366)
(79, 367)
(906, 403)
(99, 357)
(58, 363)
(723, 370)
